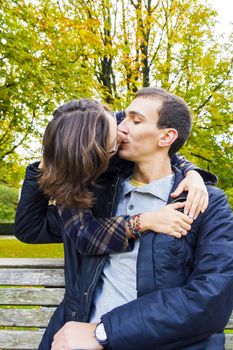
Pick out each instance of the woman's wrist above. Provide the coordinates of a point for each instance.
(133, 226)
(144, 223)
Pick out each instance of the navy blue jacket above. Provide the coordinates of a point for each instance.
(184, 286)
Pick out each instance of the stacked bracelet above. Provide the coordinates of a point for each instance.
(133, 223)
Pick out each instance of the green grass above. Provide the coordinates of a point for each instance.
(12, 248)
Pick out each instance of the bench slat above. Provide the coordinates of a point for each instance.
(229, 342)
(32, 277)
(230, 323)
(25, 317)
(31, 262)
(20, 339)
(31, 296)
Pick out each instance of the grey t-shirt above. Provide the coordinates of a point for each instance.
(117, 284)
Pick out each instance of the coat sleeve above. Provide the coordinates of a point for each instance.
(184, 165)
(173, 318)
(93, 236)
(36, 221)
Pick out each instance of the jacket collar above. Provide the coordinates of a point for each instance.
(179, 176)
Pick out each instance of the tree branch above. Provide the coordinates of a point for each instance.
(201, 157)
(217, 87)
(134, 5)
(21, 141)
(158, 47)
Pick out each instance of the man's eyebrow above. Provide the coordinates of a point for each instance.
(138, 114)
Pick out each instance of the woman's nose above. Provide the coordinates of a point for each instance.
(121, 136)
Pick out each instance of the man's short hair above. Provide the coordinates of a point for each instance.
(174, 113)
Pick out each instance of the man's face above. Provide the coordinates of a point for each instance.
(140, 129)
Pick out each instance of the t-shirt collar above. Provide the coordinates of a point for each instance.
(158, 188)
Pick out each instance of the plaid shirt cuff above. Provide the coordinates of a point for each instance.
(93, 236)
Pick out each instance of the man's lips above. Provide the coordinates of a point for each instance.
(123, 144)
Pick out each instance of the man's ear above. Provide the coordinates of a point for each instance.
(167, 137)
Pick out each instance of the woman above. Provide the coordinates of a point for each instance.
(78, 145)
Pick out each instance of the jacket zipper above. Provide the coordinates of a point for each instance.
(114, 196)
(101, 262)
(88, 291)
(105, 258)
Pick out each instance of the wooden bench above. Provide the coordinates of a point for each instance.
(30, 289)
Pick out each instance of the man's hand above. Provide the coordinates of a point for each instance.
(76, 335)
(197, 199)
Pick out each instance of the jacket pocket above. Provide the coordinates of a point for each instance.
(172, 261)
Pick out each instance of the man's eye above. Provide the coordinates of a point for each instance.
(137, 121)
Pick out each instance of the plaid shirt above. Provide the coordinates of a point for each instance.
(93, 236)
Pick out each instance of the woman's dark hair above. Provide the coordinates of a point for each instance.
(74, 152)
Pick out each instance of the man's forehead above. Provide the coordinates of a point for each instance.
(143, 106)
(135, 111)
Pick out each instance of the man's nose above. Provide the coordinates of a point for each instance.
(122, 127)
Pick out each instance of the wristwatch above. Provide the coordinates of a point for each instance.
(101, 335)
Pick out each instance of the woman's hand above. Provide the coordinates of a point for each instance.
(197, 198)
(41, 164)
(168, 220)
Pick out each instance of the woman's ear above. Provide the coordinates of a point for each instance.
(167, 137)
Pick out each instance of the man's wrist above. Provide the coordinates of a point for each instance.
(101, 336)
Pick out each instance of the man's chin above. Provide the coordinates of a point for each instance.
(123, 155)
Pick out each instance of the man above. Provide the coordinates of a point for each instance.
(171, 311)
(163, 293)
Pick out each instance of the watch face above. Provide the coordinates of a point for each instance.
(100, 333)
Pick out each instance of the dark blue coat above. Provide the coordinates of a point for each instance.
(185, 286)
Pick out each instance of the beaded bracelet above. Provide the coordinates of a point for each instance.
(133, 223)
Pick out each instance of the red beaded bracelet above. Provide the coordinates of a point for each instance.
(133, 223)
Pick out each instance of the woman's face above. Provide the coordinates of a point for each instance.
(113, 139)
(115, 135)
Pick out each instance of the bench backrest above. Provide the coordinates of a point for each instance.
(30, 290)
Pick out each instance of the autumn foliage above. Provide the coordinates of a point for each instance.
(53, 51)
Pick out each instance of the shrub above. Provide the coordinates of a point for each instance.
(8, 203)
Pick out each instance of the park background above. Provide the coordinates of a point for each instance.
(55, 50)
